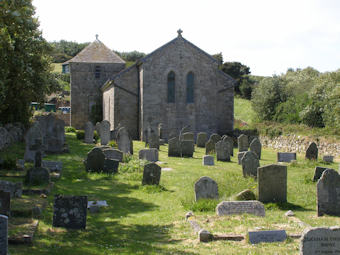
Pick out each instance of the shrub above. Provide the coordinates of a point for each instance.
(70, 129)
(96, 136)
(9, 163)
(80, 134)
(113, 144)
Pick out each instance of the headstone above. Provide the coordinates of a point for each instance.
(124, 141)
(32, 135)
(328, 193)
(250, 163)
(5, 203)
(3, 235)
(161, 131)
(317, 241)
(215, 137)
(328, 158)
(38, 176)
(104, 132)
(208, 160)
(230, 142)
(245, 195)
(268, 236)
(272, 183)
(312, 152)
(95, 160)
(53, 166)
(14, 188)
(151, 174)
(206, 188)
(113, 154)
(70, 211)
(188, 136)
(240, 207)
(318, 172)
(209, 147)
(201, 139)
(256, 147)
(240, 156)
(89, 129)
(243, 143)
(187, 148)
(153, 139)
(149, 154)
(174, 147)
(205, 235)
(286, 156)
(185, 130)
(222, 151)
(37, 159)
(110, 166)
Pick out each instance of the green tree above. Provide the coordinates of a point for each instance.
(65, 50)
(24, 63)
(238, 71)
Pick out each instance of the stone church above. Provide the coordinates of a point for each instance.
(176, 85)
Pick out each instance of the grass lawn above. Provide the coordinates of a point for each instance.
(243, 110)
(150, 219)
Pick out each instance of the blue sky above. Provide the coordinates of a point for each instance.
(269, 36)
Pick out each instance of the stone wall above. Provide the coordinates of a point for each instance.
(65, 117)
(299, 144)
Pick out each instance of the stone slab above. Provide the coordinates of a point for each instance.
(318, 172)
(268, 236)
(206, 188)
(240, 207)
(149, 154)
(208, 160)
(3, 235)
(286, 156)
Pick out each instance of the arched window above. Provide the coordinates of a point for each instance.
(171, 87)
(190, 87)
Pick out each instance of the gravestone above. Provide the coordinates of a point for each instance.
(256, 147)
(230, 142)
(113, 154)
(318, 172)
(161, 131)
(206, 188)
(215, 138)
(70, 211)
(104, 132)
(328, 193)
(37, 159)
(185, 130)
(240, 207)
(245, 195)
(240, 156)
(14, 188)
(110, 166)
(201, 139)
(222, 151)
(149, 154)
(286, 156)
(322, 240)
(151, 174)
(208, 160)
(153, 140)
(5, 203)
(328, 158)
(272, 183)
(312, 152)
(267, 236)
(243, 143)
(53, 166)
(89, 129)
(95, 160)
(250, 163)
(174, 147)
(187, 148)
(209, 147)
(3, 235)
(32, 135)
(188, 136)
(37, 176)
(124, 141)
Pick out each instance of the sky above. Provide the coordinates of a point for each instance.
(269, 36)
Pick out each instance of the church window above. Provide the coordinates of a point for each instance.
(97, 72)
(190, 87)
(171, 87)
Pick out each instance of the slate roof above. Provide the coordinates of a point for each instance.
(96, 52)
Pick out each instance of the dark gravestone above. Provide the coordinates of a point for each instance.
(151, 174)
(89, 129)
(32, 135)
(328, 158)
(286, 156)
(188, 136)
(124, 141)
(3, 235)
(153, 140)
(208, 160)
(110, 166)
(52, 166)
(240, 156)
(113, 154)
(174, 147)
(268, 236)
(210, 147)
(37, 159)
(103, 129)
(201, 139)
(206, 188)
(215, 138)
(187, 148)
(318, 172)
(230, 142)
(70, 211)
(240, 207)
(312, 152)
(38, 176)
(272, 183)
(328, 193)
(256, 147)
(222, 151)
(149, 154)
(95, 160)
(14, 188)
(5, 203)
(243, 143)
(250, 163)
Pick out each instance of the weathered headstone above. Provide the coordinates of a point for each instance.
(230, 142)
(286, 156)
(95, 160)
(149, 154)
(113, 154)
(245, 195)
(70, 211)
(243, 143)
(267, 236)
(5, 203)
(174, 147)
(318, 172)
(206, 188)
(272, 183)
(209, 147)
(312, 152)
(240, 207)
(53, 166)
(188, 136)
(215, 137)
(124, 141)
(14, 188)
(208, 160)
(317, 241)
(110, 166)
(151, 174)
(250, 163)
(89, 129)
(328, 193)
(240, 156)
(104, 132)
(161, 131)
(256, 147)
(3, 235)
(187, 148)
(32, 136)
(37, 176)
(201, 139)
(153, 140)
(328, 158)
(222, 151)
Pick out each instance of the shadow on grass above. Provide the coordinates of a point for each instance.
(286, 206)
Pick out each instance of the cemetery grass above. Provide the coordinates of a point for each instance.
(150, 219)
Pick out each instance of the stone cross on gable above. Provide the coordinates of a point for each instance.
(97, 36)
(179, 31)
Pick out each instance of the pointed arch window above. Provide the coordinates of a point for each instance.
(190, 87)
(171, 87)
